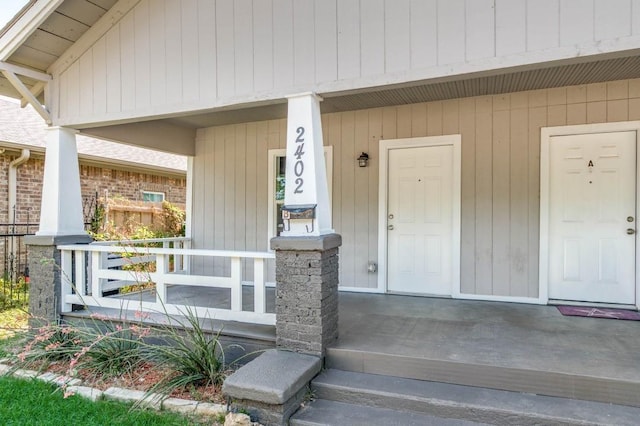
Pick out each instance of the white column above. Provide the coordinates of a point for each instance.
(306, 174)
(61, 211)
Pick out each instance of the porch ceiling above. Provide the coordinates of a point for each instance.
(453, 87)
(58, 32)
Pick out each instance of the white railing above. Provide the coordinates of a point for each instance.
(90, 270)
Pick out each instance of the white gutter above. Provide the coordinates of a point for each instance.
(13, 182)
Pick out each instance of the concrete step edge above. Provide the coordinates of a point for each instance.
(465, 402)
(332, 413)
(550, 383)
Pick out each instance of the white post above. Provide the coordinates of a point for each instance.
(306, 175)
(61, 211)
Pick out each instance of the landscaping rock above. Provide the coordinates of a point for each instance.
(126, 395)
(4, 369)
(178, 405)
(59, 380)
(86, 392)
(237, 419)
(25, 374)
(209, 409)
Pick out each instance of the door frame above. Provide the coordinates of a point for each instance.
(546, 133)
(383, 183)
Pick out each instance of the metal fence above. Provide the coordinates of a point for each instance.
(14, 267)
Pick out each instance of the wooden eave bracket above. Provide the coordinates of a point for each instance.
(10, 71)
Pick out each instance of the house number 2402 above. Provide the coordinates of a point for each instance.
(298, 168)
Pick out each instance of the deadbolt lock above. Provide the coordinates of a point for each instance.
(390, 216)
(629, 218)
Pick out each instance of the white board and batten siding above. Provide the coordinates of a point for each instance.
(500, 194)
(170, 56)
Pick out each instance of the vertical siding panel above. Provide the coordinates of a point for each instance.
(113, 69)
(348, 39)
(451, 37)
(537, 119)
(501, 203)
(220, 178)
(127, 63)
(199, 198)
(397, 35)
(229, 187)
(480, 29)
(240, 169)
(361, 213)
(282, 43)
(207, 73)
(635, 17)
(73, 90)
(372, 28)
(424, 33)
(347, 252)
(304, 42)
(434, 119)
(511, 18)
(613, 19)
(251, 192)
(375, 134)
(468, 194)
(263, 45)
(418, 120)
(450, 117)
(390, 123)
(142, 54)
(403, 128)
(62, 87)
(519, 203)
(243, 45)
(173, 45)
(263, 198)
(157, 55)
(99, 77)
(190, 52)
(86, 83)
(576, 21)
(334, 133)
(326, 41)
(484, 196)
(543, 27)
(225, 48)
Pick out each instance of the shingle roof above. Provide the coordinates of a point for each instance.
(24, 127)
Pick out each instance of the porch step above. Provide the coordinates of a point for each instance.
(357, 398)
(546, 381)
(329, 413)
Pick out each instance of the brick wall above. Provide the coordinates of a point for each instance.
(104, 181)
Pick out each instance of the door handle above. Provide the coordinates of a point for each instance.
(631, 231)
(390, 227)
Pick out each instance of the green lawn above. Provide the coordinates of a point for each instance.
(30, 402)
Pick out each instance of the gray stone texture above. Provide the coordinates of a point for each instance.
(307, 293)
(45, 279)
(272, 386)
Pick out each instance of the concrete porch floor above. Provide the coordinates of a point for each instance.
(507, 335)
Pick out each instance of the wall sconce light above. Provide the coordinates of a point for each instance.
(363, 160)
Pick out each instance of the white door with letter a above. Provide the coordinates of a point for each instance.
(592, 217)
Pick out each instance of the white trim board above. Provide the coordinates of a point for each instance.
(546, 133)
(385, 146)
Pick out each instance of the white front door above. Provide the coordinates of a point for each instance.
(592, 217)
(420, 220)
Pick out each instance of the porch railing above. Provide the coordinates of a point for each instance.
(91, 271)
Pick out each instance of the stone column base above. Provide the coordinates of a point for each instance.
(306, 292)
(45, 281)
